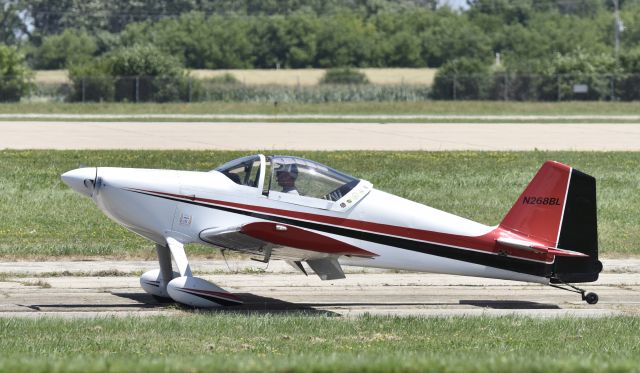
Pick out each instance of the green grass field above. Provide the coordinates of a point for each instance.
(423, 107)
(298, 343)
(43, 218)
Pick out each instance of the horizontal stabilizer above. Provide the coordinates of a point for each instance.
(530, 246)
(327, 268)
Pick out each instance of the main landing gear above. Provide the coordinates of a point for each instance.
(590, 298)
(166, 285)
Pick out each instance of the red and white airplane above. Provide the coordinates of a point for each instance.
(294, 209)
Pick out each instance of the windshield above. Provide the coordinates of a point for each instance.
(303, 177)
(243, 171)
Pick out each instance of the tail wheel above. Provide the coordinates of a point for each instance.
(591, 298)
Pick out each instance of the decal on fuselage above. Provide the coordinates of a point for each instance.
(185, 219)
(547, 201)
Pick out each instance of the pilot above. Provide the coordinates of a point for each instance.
(286, 175)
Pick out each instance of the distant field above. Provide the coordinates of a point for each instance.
(290, 77)
(51, 76)
(43, 218)
(222, 342)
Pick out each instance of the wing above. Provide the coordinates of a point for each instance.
(293, 244)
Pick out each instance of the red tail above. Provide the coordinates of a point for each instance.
(538, 212)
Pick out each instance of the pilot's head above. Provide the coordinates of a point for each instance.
(286, 174)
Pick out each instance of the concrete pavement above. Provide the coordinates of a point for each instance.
(252, 136)
(279, 289)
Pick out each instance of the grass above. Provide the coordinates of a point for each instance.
(39, 283)
(390, 108)
(43, 218)
(301, 343)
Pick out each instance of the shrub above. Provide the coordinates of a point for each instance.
(91, 82)
(344, 76)
(565, 71)
(226, 79)
(14, 75)
(144, 73)
(462, 79)
(134, 74)
(627, 85)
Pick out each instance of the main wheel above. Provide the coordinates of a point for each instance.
(591, 298)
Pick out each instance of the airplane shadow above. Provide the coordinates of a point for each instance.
(510, 304)
(144, 301)
(253, 304)
(258, 304)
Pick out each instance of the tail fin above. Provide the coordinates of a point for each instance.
(558, 209)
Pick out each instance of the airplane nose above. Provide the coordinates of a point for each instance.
(81, 180)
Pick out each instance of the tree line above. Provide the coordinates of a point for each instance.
(542, 38)
(218, 34)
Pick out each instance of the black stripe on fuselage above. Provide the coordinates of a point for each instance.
(451, 252)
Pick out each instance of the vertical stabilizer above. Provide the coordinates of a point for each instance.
(538, 212)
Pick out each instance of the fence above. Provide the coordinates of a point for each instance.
(496, 86)
(187, 89)
(529, 87)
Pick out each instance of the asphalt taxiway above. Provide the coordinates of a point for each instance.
(77, 289)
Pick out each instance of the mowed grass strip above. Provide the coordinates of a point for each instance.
(371, 108)
(43, 218)
(302, 343)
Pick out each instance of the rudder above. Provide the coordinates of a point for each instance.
(579, 231)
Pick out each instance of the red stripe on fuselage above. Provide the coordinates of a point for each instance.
(486, 243)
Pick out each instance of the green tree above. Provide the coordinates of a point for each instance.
(628, 84)
(453, 36)
(289, 42)
(60, 51)
(399, 38)
(346, 40)
(12, 24)
(14, 74)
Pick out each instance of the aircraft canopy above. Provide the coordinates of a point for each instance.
(302, 180)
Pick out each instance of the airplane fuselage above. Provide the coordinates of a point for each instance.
(403, 234)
